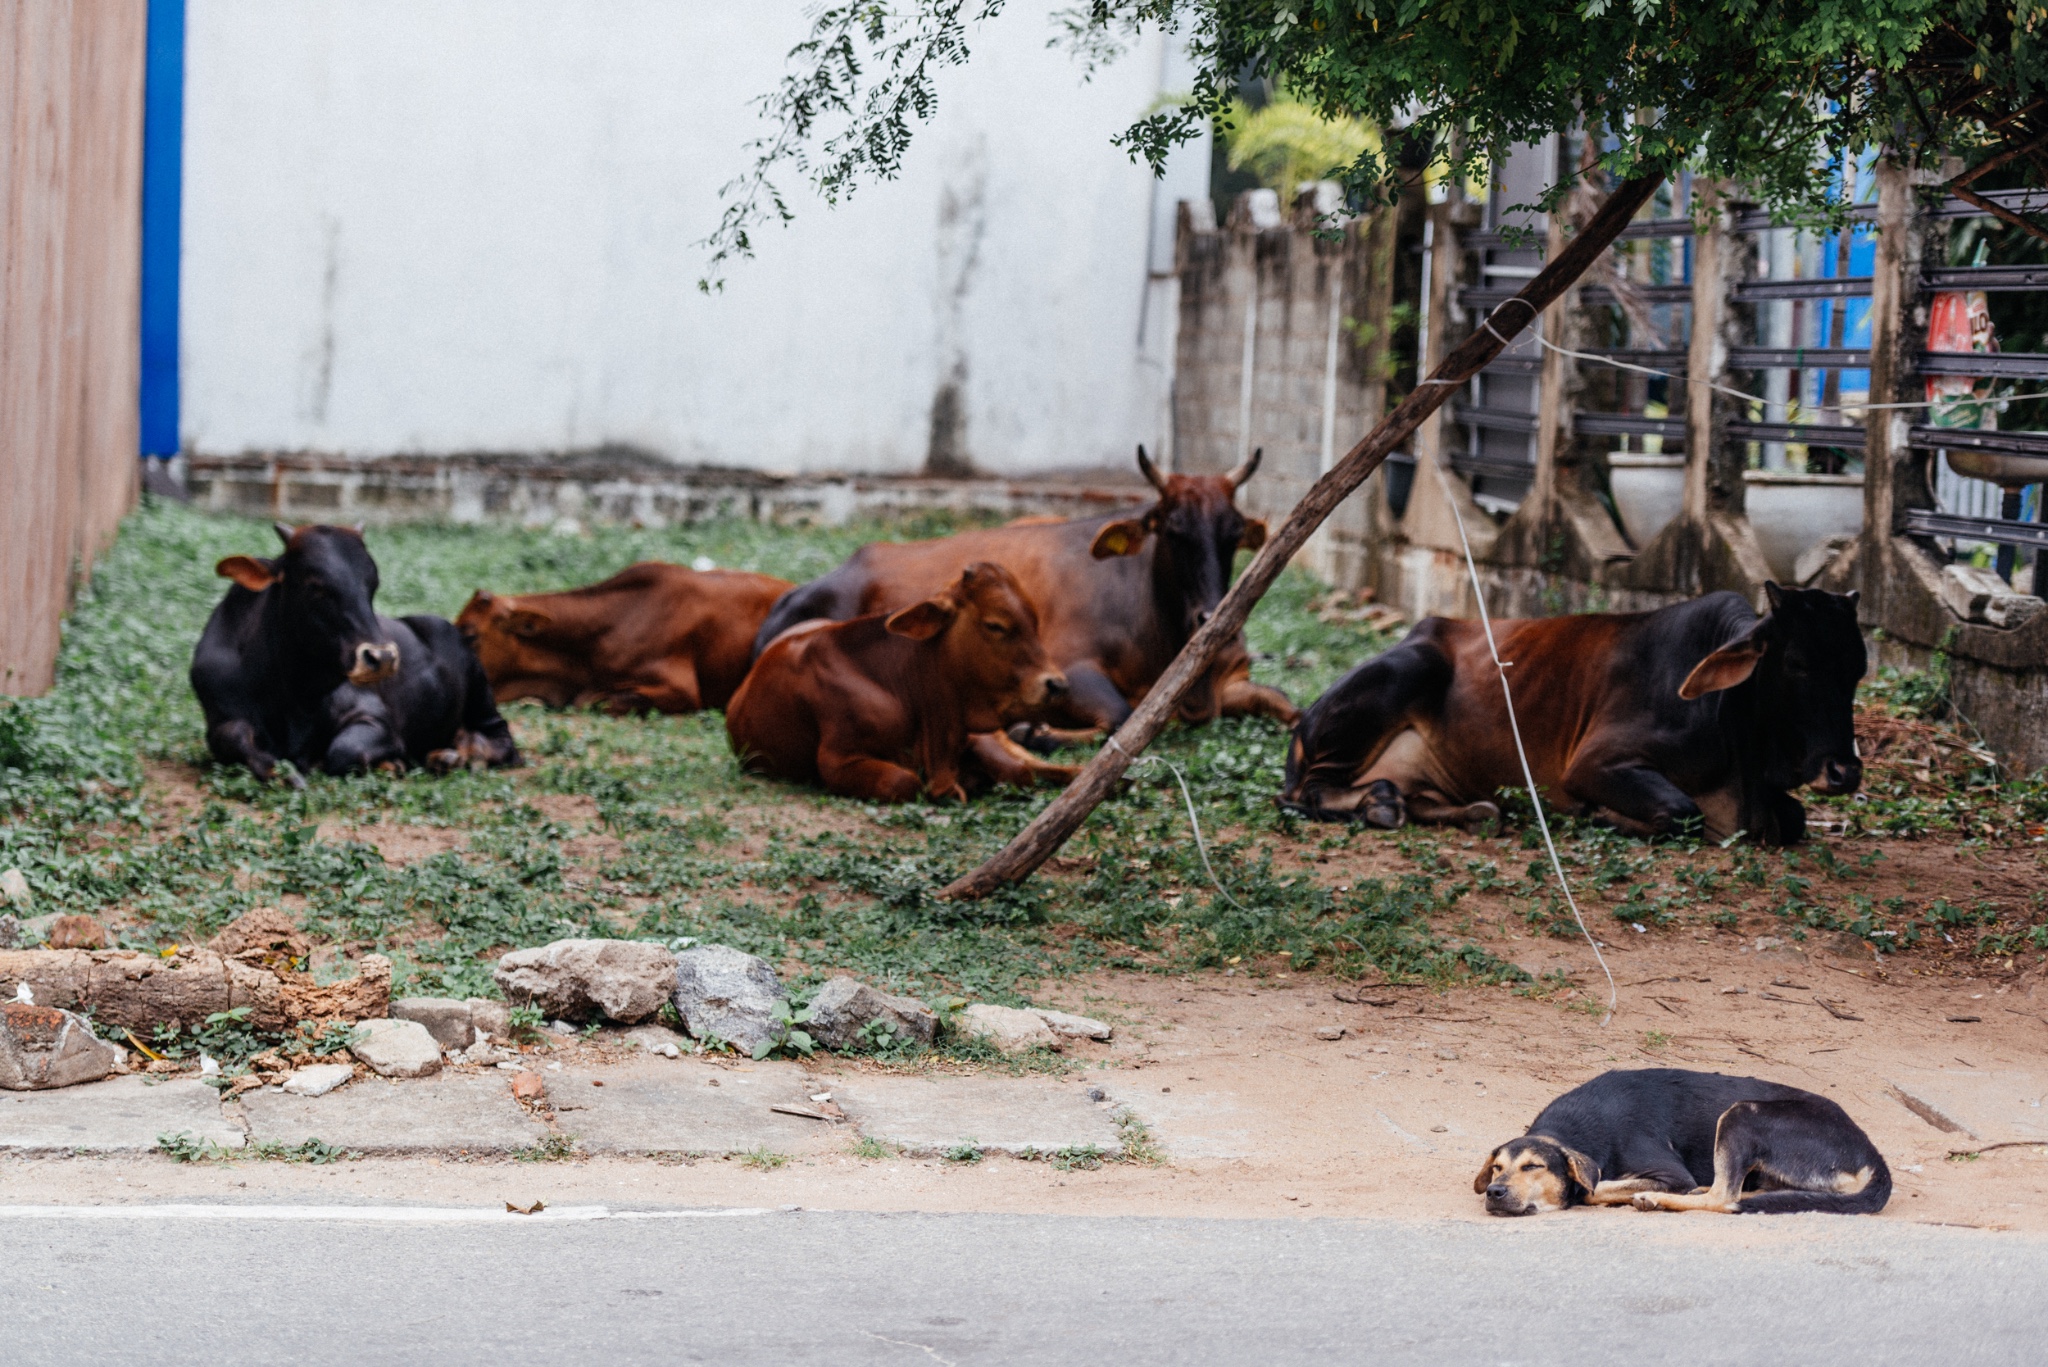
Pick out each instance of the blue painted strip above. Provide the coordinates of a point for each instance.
(163, 175)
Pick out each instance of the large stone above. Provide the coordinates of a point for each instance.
(446, 1019)
(14, 889)
(1068, 1026)
(43, 1047)
(580, 980)
(10, 931)
(724, 992)
(397, 1048)
(1007, 1027)
(844, 1006)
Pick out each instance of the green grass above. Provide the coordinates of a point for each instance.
(836, 885)
(688, 847)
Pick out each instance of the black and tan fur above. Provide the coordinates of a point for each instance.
(1670, 1139)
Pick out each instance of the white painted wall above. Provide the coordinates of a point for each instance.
(434, 226)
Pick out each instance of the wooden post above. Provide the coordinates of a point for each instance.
(1050, 828)
(1894, 474)
(1706, 361)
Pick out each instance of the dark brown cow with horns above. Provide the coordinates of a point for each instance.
(1117, 596)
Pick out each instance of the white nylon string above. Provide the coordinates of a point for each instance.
(1193, 823)
(1515, 729)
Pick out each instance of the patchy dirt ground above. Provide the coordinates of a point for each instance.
(1258, 1115)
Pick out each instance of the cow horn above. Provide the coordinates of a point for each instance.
(285, 531)
(1245, 471)
(1151, 470)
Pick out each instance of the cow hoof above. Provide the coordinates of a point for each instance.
(1034, 738)
(1383, 807)
(1479, 814)
(444, 761)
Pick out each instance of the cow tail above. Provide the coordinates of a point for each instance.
(1868, 1201)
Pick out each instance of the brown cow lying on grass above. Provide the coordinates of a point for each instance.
(883, 707)
(652, 636)
(1117, 596)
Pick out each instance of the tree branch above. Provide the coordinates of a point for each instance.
(2001, 213)
(1051, 828)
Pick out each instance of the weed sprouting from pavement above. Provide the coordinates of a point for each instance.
(763, 1159)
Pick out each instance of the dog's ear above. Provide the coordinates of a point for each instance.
(1583, 1172)
(1485, 1177)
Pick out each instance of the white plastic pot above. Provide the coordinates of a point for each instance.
(1648, 492)
(1790, 513)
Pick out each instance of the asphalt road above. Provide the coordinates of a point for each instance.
(905, 1290)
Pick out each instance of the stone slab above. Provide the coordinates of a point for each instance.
(672, 1107)
(121, 1113)
(1990, 1106)
(439, 1114)
(1006, 1115)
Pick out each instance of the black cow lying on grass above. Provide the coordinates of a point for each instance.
(295, 664)
(1702, 712)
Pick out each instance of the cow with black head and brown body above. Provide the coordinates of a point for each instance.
(296, 664)
(1117, 596)
(1701, 713)
(890, 705)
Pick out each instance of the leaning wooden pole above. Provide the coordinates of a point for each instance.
(1038, 841)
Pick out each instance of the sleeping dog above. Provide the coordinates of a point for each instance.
(1678, 1140)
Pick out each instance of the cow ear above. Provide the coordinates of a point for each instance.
(1485, 1177)
(1725, 668)
(1254, 535)
(1583, 1170)
(1123, 537)
(252, 574)
(527, 622)
(922, 621)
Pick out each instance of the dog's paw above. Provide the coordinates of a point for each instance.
(1647, 1200)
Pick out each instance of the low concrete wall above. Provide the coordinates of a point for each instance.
(610, 487)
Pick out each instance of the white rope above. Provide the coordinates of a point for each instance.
(1193, 823)
(1515, 729)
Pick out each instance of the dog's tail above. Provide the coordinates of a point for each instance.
(1869, 1201)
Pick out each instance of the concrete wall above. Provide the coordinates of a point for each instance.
(70, 224)
(1281, 335)
(452, 226)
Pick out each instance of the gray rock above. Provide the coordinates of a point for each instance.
(397, 1048)
(43, 1047)
(580, 980)
(14, 888)
(10, 931)
(845, 1005)
(1007, 1027)
(1068, 1026)
(724, 992)
(317, 1079)
(489, 1017)
(446, 1019)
